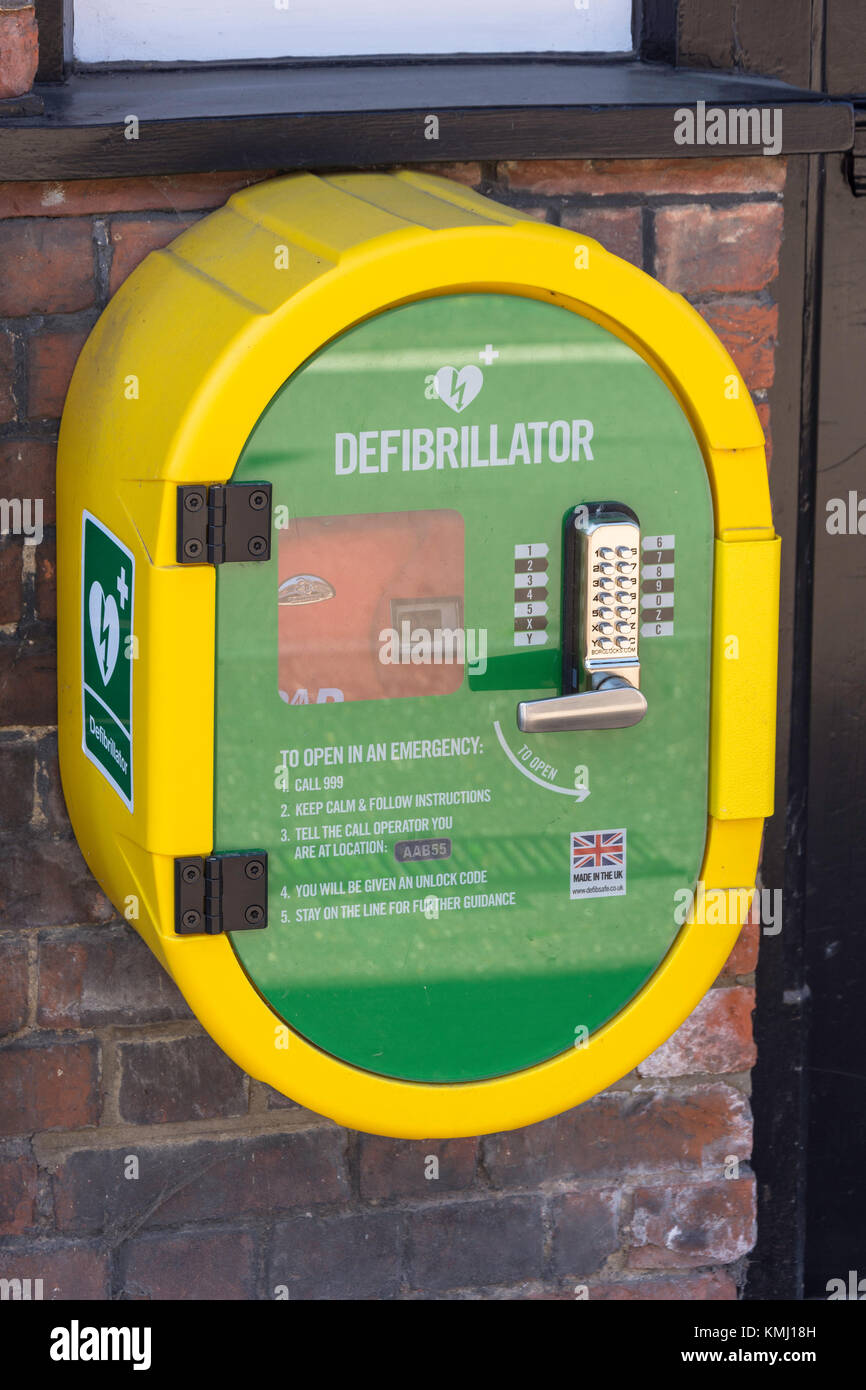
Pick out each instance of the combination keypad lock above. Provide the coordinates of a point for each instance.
(601, 612)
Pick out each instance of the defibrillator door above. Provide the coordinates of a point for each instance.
(485, 507)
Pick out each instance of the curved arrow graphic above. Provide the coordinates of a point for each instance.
(579, 793)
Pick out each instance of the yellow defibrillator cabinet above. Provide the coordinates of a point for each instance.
(418, 620)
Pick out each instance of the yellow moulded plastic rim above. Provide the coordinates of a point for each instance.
(172, 380)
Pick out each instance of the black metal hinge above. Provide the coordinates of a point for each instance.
(224, 892)
(856, 159)
(222, 523)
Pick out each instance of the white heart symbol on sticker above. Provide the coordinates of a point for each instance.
(457, 389)
(104, 629)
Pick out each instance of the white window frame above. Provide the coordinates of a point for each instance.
(208, 31)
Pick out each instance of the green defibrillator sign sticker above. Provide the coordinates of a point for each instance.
(107, 587)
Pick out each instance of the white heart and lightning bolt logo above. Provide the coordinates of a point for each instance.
(104, 629)
(458, 389)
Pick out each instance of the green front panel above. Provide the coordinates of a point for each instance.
(432, 916)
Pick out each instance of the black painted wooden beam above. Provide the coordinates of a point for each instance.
(349, 113)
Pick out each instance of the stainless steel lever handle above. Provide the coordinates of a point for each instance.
(613, 704)
(598, 652)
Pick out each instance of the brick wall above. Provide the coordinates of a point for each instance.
(135, 1159)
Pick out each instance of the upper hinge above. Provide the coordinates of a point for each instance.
(223, 523)
(224, 892)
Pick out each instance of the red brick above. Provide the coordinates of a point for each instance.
(276, 1101)
(178, 1184)
(88, 979)
(763, 410)
(624, 1132)
(18, 1184)
(19, 50)
(570, 1294)
(52, 359)
(716, 1037)
(27, 469)
(601, 177)
(52, 1086)
(537, 213)
(546, 1296)
(165, 193)
(15, 976)
(467, 1244)
(11, 560)
(67, 1271)
(618, 229)
(17, 770)
(691, 1288)
(46, 581)
(183, 1079)
(397, 1167)
(49, 792)
(748, 330)
(585, 1231)
(214, 1265)
(703, 249)
(45, 883)
(48, 267)
(28, 688)
(468, 173)
(7, 370)
(682, 1226)
(132, 241)
(355, 1256)
(744, 957)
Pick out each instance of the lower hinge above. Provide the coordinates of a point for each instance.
(224, 892)
(223, 523)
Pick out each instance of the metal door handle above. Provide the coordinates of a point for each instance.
(599, 652)
(613, 704)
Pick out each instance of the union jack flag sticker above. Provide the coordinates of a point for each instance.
(598, 863)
